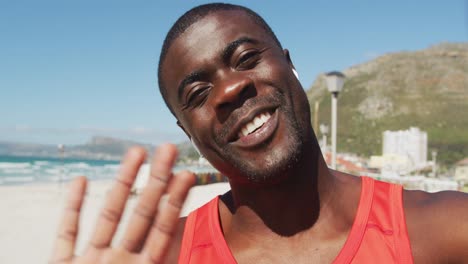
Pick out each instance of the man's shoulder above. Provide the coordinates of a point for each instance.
(437, 224)
(440, 208)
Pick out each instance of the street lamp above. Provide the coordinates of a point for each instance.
(335, 81)
(324, 132)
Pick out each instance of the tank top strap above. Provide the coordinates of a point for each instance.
(379, 230)
(402, 243)
(203, 240)
(387, 216)
(187, 238)
(193, 238)
(358, 229)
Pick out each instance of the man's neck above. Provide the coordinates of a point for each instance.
(285, 208)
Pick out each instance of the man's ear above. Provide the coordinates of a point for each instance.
(190, 138)
(183, 129)
(288, 58)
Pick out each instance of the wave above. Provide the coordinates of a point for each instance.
(36, 167)
(54, 171)
(44, 171)
(79, 165)
(59, 178)
(112, 166)
(42, 163)
(10, 180)
(18, 171)
(14, 165)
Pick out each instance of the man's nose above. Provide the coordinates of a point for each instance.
(232, 94)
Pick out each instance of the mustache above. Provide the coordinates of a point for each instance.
(275, 98)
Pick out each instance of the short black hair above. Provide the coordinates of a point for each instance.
(194, 15)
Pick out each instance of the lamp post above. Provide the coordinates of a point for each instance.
(324, 132)
(434, 163)
(335, 81)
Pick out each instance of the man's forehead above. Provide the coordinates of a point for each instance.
(205, 39)
(217, 29)
(237, 20)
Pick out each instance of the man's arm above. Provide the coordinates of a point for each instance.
(437, 225)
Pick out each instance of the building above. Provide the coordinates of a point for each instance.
(348, 163)
(391, 163)
(461, 170)
(409, 144)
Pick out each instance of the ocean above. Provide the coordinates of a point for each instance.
(25, 170)
(29, 170)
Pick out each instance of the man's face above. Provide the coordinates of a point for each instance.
(233, 91)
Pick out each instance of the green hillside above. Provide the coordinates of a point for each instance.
(427, 89)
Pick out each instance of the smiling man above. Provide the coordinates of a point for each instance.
(234, 91)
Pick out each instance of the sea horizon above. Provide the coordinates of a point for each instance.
(23, 170)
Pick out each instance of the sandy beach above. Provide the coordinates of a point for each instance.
(30, 214)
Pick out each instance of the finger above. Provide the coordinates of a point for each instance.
(64, 247)
(116, 199)
(145, 210)
(163, 228)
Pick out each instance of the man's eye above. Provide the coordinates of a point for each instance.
(248, 60)
(197, 96)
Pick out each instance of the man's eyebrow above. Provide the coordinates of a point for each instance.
(225, 56)
(192, 77)
(231, 47)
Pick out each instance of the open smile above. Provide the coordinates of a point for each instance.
(255, 124)
(256, 128)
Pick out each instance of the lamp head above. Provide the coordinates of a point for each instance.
(323, 129)
(335, 81)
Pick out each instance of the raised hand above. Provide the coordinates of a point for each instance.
(148, 234)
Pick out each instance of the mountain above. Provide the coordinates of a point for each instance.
(187, 151)
(97, 148)
(105, 148)
(426, 88)
(27, 149)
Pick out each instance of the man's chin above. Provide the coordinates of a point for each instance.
(271, 162)
(272, 169)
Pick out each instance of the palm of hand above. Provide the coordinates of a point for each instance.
(149, 233)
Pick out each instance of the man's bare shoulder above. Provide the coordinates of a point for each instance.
(174, 250)
(437, 225)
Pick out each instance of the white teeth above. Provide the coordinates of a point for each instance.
(257, 122)
(251, 127)
(264, 117)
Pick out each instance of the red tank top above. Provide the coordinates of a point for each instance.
(378, 234)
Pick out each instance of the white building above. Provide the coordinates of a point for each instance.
(410, 144)
(461, 170)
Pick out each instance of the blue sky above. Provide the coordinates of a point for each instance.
(73, 69)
